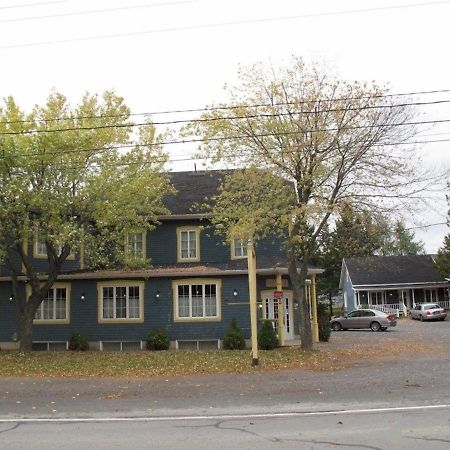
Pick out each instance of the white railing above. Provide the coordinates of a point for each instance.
(391, 308)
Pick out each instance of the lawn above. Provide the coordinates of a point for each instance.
(173, 363)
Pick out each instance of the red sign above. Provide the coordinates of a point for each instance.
(278, 294)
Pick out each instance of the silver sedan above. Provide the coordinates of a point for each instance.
(363, 318)
(428, 311)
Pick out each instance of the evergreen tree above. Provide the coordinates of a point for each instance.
(400, 241)
(443, 258)
(355, 234)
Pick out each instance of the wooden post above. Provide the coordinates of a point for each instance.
(251, 263)
(25, 241)
(281, 326)
(315, 325)
(82, 250)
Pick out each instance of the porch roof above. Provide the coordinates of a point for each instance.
(238, 267)
(400, 286)
(383, 271)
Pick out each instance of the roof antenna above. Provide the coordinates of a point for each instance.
(195, 167)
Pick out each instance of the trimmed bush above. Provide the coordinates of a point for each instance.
(323, 319)
(267, 338)
(157, 339)
(78, 342)
(234, 339)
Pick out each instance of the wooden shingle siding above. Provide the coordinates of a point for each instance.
(215, 263)
(157, 312)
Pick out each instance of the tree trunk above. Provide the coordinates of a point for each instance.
(298, 281)
(26, 330)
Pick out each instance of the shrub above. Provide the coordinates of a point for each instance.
(234, 339)
(78, 342)
(267, 338)
(157, 339)
(323, 319)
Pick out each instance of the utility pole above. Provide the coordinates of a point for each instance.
(281, 325)
(315, 325)
(251, 262)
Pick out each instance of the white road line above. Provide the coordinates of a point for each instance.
(224, 416)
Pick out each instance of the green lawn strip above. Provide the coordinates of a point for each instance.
(170, 363)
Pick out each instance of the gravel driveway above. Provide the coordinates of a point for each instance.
(408, 333)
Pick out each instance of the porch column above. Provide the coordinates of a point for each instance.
(281, 326)
(25, 238)
(315, 325)
(82, 266)
(251, 264)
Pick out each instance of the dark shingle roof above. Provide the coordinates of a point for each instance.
(380, 270)
(193, 188)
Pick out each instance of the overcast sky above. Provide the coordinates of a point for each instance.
(170, 55)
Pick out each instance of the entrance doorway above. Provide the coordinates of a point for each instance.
(270, 312)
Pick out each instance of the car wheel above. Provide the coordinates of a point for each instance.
(375, 326)
(336, 326)
(383, 328)
(421, 318)
(442, 318)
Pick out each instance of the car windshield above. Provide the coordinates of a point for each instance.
(431, 307)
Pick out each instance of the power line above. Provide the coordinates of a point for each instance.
(211, 119)
(27, 5)
(46, 153)
(428, 225)
(95, 11)
(287, 133)
(221, 24)
(255, 105)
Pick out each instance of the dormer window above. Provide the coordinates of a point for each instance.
(40, 247)
(188, 244)
(135, 245)
(239, 249)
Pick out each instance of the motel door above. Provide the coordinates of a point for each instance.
(270, 312)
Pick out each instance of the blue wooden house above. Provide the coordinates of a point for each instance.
(194, 285)
(392, 283)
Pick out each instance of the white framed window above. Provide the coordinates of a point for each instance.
(40, 247)
(55, 308)
(188, 244)
(120, 301)
(197, 300)
(135, 244)
(239, 249)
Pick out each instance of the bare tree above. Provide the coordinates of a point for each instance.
(336, 142)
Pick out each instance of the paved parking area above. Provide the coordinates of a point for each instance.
(408, 334)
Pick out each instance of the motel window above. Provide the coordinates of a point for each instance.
(188, 240)
(197, 300)
(239, 249)
(121, 302)
(55, 306)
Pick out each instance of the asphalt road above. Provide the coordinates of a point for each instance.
(407, 428)
(352, 408)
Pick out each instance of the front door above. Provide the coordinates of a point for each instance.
(270, 312)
